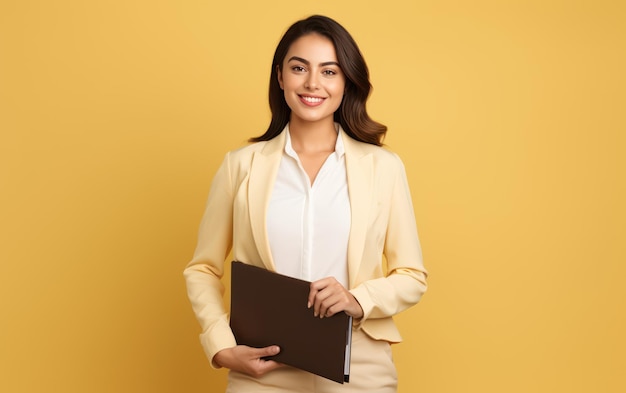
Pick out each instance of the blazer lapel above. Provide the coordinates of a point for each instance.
(263, 172)
(359, 169)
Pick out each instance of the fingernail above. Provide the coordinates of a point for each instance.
(308, 304)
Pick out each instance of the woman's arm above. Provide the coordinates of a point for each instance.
(405, 282)
(205, 290)
(203, 274)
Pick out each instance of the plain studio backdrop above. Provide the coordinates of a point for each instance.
(510, 118)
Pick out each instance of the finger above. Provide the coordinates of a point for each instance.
(268, 365)
(315, 288)
(328, 297)
(311, 299)
(331, 305)
(266, 351)
(327, 311)
(321, 302)
(339, 300)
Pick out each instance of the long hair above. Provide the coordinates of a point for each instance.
(351, 114)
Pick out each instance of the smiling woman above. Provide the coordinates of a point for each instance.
(313, 82)
(351, 114)
(315, 198)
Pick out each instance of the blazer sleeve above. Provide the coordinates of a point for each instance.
(405, 282)
(203, 274)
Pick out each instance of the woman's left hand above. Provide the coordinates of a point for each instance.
(328, 297)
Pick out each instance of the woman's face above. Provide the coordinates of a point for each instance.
(311, 79)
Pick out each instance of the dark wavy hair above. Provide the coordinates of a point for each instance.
(351, 114)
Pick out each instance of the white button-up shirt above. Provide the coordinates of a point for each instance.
(309, 225)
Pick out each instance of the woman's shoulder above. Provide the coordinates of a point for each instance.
(381, 154)
(247, 150)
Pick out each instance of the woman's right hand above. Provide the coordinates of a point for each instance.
(248, 360)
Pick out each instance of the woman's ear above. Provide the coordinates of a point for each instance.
(280, 77)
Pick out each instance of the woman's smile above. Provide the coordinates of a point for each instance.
(311, 100)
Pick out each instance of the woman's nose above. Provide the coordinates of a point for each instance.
(312, 82)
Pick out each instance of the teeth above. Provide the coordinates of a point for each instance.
(313, 100)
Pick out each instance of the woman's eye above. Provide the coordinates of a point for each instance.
(329, 72)
(298, 68)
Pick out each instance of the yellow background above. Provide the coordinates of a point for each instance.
(509, 116)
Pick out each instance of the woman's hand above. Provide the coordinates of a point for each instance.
(248, 360)
(328, 297)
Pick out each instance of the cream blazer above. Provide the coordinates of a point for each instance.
(382, 224)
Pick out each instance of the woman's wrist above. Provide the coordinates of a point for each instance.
(221, 357)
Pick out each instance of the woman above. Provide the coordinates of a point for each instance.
(316, 198)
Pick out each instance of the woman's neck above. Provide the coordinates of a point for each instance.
(313, 137)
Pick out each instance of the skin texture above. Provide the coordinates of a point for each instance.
(314, 85)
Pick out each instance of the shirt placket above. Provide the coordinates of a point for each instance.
(307, 223)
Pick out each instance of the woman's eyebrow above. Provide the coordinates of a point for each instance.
(300, 59)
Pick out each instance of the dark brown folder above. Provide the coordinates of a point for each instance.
(268, 308)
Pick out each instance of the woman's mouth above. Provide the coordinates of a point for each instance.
(311, 101)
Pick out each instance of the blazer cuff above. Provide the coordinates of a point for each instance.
(215, 339)
(362, 296)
